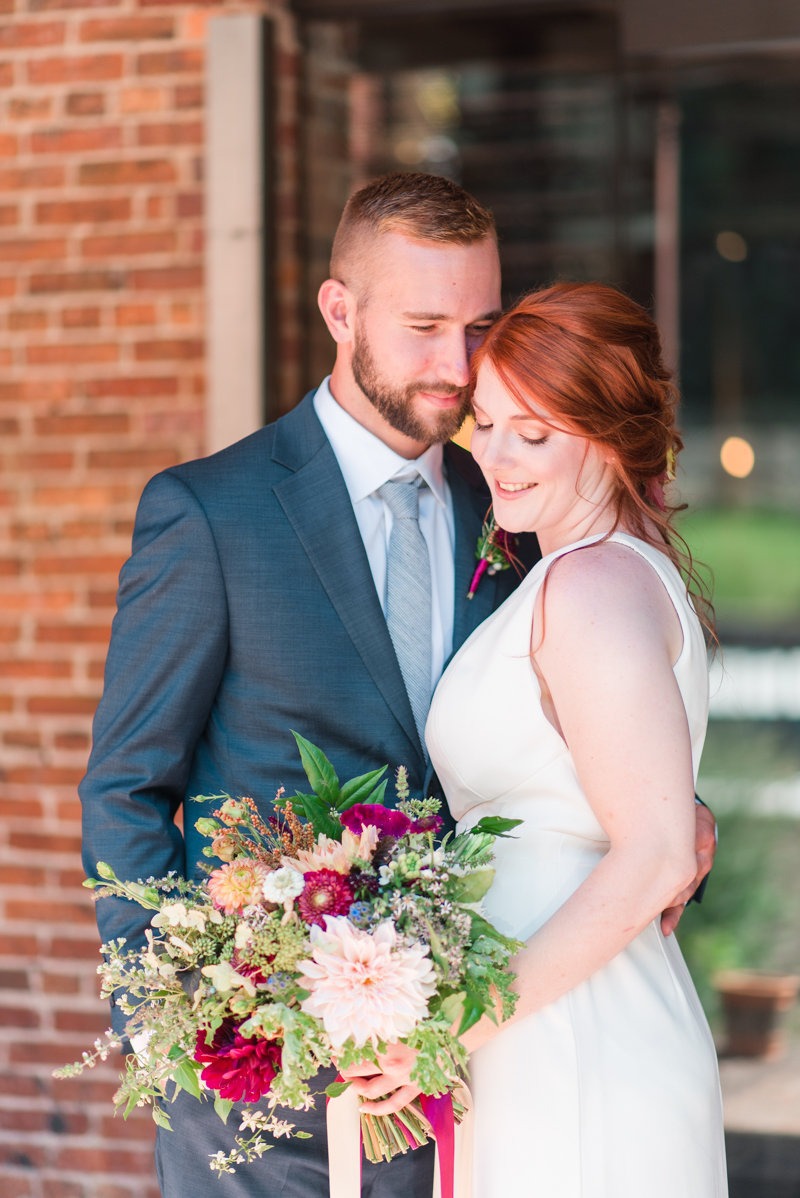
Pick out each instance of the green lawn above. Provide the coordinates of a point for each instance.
(754, 556)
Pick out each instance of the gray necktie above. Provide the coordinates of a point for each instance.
(408, 595)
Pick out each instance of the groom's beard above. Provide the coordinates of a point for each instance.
(396, 404)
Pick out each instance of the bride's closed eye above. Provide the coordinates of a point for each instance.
(532, 440)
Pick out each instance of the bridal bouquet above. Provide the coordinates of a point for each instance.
(331, 930)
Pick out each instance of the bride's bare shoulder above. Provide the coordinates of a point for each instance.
(607, 590)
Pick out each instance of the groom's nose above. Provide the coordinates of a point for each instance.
(452, 364)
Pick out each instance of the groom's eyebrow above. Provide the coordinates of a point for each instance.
(446, 316)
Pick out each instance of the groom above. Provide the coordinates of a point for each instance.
(313, 576)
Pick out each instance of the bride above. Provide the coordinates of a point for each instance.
(580, 708)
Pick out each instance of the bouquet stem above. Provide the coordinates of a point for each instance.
(385, 1136)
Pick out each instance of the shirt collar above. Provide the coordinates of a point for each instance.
(365, 461)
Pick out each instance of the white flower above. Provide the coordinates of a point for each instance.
(243, 935)
(224, 978)
(363, 984)
(282, 884)
(175, 915)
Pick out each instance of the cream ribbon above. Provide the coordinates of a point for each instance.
(344, 1146)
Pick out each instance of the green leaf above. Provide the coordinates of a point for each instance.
(223, 1108)
(186, 1076)
(473, 886)
(473, 1010)
(300, 1135)
(481, 927)
(160, 1117)
(337, 1088)
(377, 795)
(453, 1006)
(323, 822)
(358, 790)
(319, 770)
(298, 803)
(496, 825)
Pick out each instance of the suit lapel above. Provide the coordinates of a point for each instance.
(469, 510)
(317, 505)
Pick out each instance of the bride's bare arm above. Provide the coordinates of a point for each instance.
(611, 637)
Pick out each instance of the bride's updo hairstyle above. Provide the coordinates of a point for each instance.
(590, 357)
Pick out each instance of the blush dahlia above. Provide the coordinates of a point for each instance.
(238, 1067)
(326, 892)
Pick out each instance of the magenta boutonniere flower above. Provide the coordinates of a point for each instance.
(495, 551)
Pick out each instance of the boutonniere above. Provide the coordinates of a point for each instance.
(495, 551)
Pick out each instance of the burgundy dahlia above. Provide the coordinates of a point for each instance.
(239, 1067)
(387, 821)
(326, 892)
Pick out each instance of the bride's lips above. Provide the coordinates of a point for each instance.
(511, 495)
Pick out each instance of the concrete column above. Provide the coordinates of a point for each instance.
(237, 254)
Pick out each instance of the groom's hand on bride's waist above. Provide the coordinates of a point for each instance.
(705, 848)
(390, 1077)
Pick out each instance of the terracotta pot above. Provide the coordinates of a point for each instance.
(753, 1001)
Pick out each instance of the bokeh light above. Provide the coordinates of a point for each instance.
(731, 246)
(737, 457)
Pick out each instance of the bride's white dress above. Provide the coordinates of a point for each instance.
(613, 1090)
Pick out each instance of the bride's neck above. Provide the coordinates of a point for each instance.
(590, 524)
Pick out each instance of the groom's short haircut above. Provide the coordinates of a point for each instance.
(422, 207)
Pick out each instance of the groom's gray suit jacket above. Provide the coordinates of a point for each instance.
(247, 609)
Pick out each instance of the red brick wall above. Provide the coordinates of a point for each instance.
(101, 385)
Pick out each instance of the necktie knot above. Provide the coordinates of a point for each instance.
(402, 498)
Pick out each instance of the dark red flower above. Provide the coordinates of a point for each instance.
(326, 892)
(387, 821)
(241, 1068)
(428, 823)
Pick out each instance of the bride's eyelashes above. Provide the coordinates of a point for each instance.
(482, 428)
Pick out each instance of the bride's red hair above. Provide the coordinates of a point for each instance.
(591, 358)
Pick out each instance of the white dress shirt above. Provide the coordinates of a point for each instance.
(366, 464)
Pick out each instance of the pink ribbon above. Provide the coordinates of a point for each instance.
(344, 1141)
(476, 577)
(438, 1110)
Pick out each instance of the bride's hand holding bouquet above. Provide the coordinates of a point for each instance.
(337, 932)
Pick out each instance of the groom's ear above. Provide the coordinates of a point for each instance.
(338, 307)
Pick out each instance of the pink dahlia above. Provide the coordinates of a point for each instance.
(363, 985)
(237, 885)
(387, 821)
(326, 892)
(238, 1067)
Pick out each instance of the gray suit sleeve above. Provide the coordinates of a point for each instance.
(168, 649)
